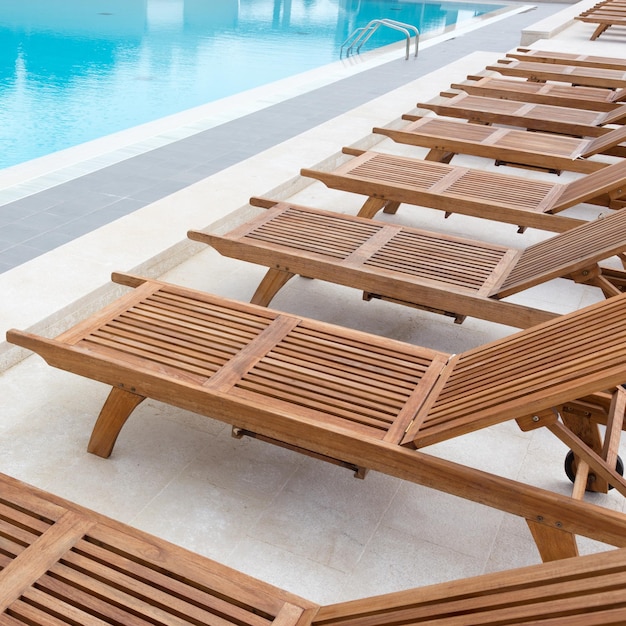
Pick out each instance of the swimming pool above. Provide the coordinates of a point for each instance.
(73, 71)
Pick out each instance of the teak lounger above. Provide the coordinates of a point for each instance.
(572, 74)
(533, 116)
(390, 180)
(555, 94)
(506, 146)
(584, 591)
(451, 275)
(61, 559)
(568, 58)
(361, 400)
(604, 21)
(63, 564)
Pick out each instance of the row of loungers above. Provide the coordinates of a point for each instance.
(363, 401)
(605, 14)
(63, 564)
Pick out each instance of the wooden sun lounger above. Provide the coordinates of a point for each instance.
(529, 115)
(603, 21)
(584, 591)
(61, 560)
(568, 58)
(63, 564)
(506, 146)
(451, 275)
(556, 94)
(572, 74)
(358, 399)
(389, 180)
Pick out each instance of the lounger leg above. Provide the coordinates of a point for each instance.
(553, 544)
(441, 156)
(598, 31)
(272, 282)
(371, 207)
(391, 208)
(116, 410)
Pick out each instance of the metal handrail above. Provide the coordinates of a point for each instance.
(363, 34)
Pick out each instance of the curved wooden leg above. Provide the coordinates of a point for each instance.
(272, 282)
(116, 410)
(371, 207)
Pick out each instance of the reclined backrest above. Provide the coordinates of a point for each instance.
(567, 252)
(608, 140)
(608, 179)
(563, 359)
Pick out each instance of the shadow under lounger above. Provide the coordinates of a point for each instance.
(442, 273)
(63, 564)
(389, 180)
(361, 400)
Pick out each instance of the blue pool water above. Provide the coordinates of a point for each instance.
(76, 70)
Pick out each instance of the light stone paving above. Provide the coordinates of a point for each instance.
(295, 522)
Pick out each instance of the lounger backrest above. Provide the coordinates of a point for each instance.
(603, 142)
(616, 115)
(567, 252)
(608, 179)
(566, 358)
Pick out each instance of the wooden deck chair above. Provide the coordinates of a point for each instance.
(533, 116)
(446, 138)
(583, 591)
(603, 21)
(556, 94)
(354, 398)
(572, 74)
(389, 180)
(568, 58)
(455, 276)
(64, 564)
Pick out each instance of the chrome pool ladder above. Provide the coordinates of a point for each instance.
(361, 35)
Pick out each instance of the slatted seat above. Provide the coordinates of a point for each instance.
(389, 180)
(557, 94)
(59, 562)
(573, 74)
(584, 591)
(62, 563)
(451, 275)
(568, 58)
(530, 115)
(352, 397)
(506, 146)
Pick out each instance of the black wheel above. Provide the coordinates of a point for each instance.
(570, 470)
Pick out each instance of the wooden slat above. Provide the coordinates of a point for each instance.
(86, 569)
(30, 564)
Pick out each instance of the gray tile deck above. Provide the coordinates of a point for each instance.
(42, 221)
